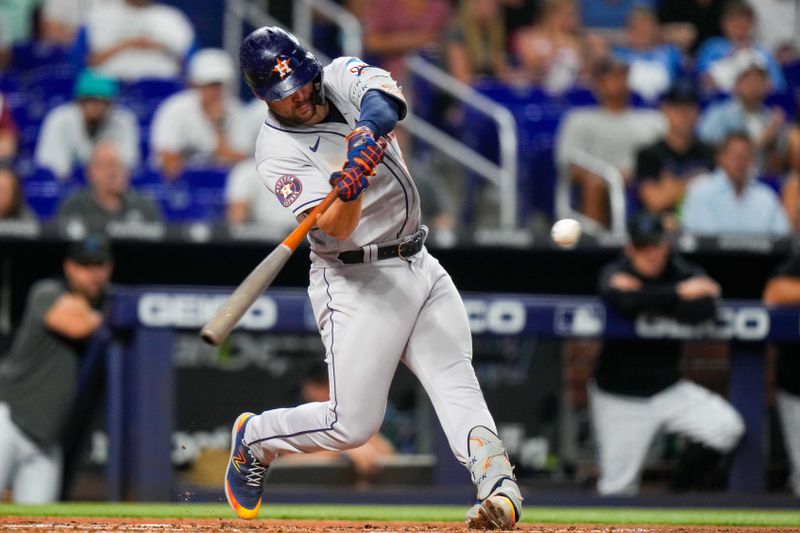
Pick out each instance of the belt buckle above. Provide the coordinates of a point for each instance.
(408, 247)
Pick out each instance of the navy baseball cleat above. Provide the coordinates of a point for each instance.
(244, 480)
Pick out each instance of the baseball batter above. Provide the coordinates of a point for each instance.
(378, 296)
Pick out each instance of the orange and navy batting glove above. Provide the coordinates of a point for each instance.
(363, 150)
(349, 183)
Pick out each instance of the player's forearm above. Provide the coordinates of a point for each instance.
(341, 219)
(784, 290)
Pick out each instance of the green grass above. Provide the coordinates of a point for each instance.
(570, 515)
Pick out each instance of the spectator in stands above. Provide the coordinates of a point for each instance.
(729, 200)
(790, 192)
(665, 169)
(16, 25)
(249, 201)
(552, 50)
(204, 124)
(71, 131)
(654, 65)
(777, 28)
(784, 289)
(611, 132)
(717, 58)
(746, 111)
(12, 202)
(366, 459)
(134, 39)
(611, 14)
(476, 41)
(9, 137)
(39, 374)
(107, 197)
(699, 19)
(638, 390)
(62, 19)
(395, 29)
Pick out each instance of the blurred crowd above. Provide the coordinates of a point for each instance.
(113, 106)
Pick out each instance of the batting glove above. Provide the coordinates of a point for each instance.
(349, 183)
(363, 151)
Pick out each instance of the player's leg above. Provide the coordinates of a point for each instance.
(364, 329)
(8, 447)
(623, 430)
(364, 325)
(700, 414)
(439, 353)
(38, 476)
(789, 412)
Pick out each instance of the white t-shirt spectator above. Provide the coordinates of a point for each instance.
(64, 141)
(180, 126)
(71, 13)
(778, 22)
(244, 185)
(112, 24)
(612, 137)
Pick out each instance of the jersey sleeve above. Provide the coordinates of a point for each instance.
(354, 78)
(296, 184)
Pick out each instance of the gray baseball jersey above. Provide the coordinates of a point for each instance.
(295, 162)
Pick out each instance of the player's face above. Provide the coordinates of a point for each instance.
(89, 280)
(298, 107)
(681, 117)
(649, 260)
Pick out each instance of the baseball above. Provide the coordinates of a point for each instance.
(566, 232)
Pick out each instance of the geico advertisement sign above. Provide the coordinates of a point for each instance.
(744, 323)
(194, 310)
(500, 317)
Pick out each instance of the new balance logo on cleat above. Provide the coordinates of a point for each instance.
(244, 479)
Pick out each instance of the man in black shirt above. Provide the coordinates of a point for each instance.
(638, 390)
(784, 289)
(39, 375)
(664, 169)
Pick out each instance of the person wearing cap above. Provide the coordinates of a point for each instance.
(204, 124)
(637, 391)
(136, 39)
(717, 56)
(107, 196)
(730, 200)
(783, 289)
(39, 374)
(72, 130)
(610, 132)
(664, 169)
(747, 111)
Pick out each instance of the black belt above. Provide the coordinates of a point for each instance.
(406, 248)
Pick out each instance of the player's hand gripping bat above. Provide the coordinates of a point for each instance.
(224, 320)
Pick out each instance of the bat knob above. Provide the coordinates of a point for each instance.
(209, 337)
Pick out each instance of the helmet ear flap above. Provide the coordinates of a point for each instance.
(318, 96)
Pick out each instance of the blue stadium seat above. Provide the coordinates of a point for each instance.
(43, 192)
(176, 201)
(46, 88)
(144, 96)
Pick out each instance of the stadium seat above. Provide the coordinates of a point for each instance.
(43, 192)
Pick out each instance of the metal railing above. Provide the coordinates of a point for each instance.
(616, 193)
(502, 175)
(303, 13)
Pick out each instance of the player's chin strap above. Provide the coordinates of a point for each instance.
(489, 467)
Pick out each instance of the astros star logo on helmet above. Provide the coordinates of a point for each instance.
(282, 67)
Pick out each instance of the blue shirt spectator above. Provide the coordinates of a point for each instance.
(746, 112)
(729, 201)
(610, 13)
(717, 57)
(653, 65)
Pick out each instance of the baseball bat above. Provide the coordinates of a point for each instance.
(224, 320)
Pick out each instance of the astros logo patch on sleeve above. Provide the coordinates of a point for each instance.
(288, 189)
